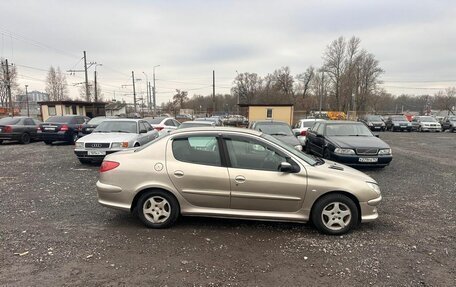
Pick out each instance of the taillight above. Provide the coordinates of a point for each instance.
(303, 133)
(158, 128)
(63, 128)
(108, 165)
(80, 128)
(7, 129)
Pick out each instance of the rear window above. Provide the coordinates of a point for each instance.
(59, 119)
(155, 121)
(9, 121)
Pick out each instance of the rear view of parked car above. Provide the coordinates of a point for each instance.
(449, 123)
(114, 135)
(426, 124)
(164, 125)
(301, 127)
(61, 128)
(21, 129)
(398, 123)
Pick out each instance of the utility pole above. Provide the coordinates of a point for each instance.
(27, 100)
(213, 92)
(154, 92)
(322, 90)
(147, 91)
(95, 85)
(8, 88)
(86, 78)
(150, 98)
(134, 91)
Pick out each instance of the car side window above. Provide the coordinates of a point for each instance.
(197, 149)
(169, 123)
(314, 127)
(176, 123)
(142, 126)
(250, 154)
(29, 122)
(320, 129)
(148, 126)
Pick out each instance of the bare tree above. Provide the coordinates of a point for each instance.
(446, 100)
(56, 85)
(3, 82)
(82, 92)
(246, 87)
(180, 98)
(334, 66)
(305, 79)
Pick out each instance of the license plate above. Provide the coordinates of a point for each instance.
(49, 129)
(368, 159)
(403, 127)
(96, 152)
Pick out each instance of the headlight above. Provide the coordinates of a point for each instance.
(370, 124)
(79, 145)
(396, 124)
(374, 187)
(384, 151)
(344, 151)
(119, 145)
(298, 147)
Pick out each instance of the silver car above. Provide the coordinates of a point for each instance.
(113, 135)
(235, 173)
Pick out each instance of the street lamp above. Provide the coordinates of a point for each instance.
(154, 91)
(147, 91)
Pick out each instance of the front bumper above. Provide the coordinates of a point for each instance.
(84, 154)
(369, 210)
(353, 160)
(430, 129)
(402, 128)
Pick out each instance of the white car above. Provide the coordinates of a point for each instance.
(301, 127)
(426, 123)
(164, 125)
(114, 135)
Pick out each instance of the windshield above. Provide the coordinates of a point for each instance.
(428, 119)
(374, 118)
(399, 118)
(155, 121)
(307, 158)
(117, 126)
(347, 130)
(452, 118)
(274, 129)
(193, 125)
(9, 121)
(97, 120)
(59, 120)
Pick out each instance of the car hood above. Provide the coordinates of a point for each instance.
(342, 170)
(108, 137)
(375, 122)
(290, 140)
(402, 123)
(358, 141)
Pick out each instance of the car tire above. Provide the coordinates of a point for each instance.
(74, 138)
(25, 138)
(48, 142)
(84, 161)
(157, 209)
(326, 154)
(343, 210)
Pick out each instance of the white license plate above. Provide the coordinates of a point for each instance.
(96, 152)
(403, 127)
(368, 159)
(49, 129)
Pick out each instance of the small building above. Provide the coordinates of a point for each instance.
(116, 109)
(63, 108)
(276, 112)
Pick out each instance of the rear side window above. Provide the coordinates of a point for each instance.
(29, 122)
(59, 119)
(169, 123)
(197, 150)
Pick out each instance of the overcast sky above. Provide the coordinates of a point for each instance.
(415, 41)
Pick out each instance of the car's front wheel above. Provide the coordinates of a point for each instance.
(157, 209)
(335, 214)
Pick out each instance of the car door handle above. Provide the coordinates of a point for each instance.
(239, 179)
(179, 173)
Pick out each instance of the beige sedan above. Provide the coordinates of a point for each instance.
(235, 173)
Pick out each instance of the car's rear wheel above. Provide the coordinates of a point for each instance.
(1, 141)
(25, 138)
(335, 214)
(157, 209)
(48, 142)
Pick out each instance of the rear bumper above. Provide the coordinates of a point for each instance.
(353, 160)
(58, 136)
(112, 196)
(10, 136)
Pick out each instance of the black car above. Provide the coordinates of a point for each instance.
(351, 143)
(21, 129)
(373, 122)
(398, 123)
(88, 127)
(449, 123)
(280, 130)
(61, 128)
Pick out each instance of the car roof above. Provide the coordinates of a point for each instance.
(311, 120)
(340, 122)
(218, 129)
(123, 120)
(269, 122)
(208, 123)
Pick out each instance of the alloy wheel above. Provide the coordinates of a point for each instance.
(336, 216)
(156, 209)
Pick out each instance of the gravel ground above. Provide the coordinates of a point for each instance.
(53, 232)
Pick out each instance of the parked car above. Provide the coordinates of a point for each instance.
(246, 174)
(449, 123)
(88, 127)
(183, 118)
(398, 123)
(301, 127)
(61, 128)
(215, 120)
(373, 122)
(21, 129)
(348, 142)
(193, 124)
(164, 125)
(114, 135)
(280, 130)
(426, 123)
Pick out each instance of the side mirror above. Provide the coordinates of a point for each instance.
(143, 131)
(286, 167)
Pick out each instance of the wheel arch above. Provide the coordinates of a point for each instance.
(348, 194)
(147, 189)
